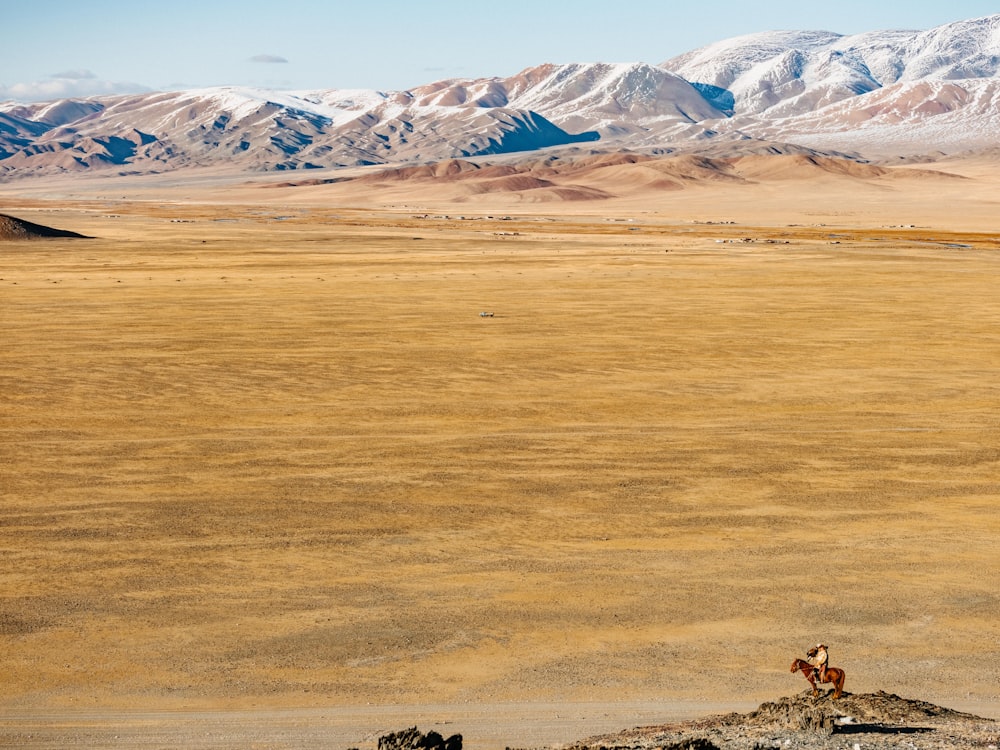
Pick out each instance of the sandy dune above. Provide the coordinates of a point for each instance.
(261, 451)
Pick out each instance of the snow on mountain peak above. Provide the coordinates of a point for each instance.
(964, 49)
(794, 71)
(609, 97)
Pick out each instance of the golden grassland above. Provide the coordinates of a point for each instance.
(286, 461)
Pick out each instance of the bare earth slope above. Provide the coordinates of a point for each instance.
(623, 179)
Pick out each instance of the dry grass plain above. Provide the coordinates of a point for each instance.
(272, 456)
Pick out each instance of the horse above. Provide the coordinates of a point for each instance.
(833, 675)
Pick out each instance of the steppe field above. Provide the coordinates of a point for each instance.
(269, 476)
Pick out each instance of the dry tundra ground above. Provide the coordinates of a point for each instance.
(277, 458)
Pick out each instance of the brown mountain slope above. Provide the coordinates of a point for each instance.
(605, 176)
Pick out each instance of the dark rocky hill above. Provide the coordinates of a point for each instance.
(12, 228)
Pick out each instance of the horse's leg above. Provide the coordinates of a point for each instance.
(839, 684)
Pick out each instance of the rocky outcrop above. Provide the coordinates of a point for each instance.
(413, 739)
(801, 722)
(12, 228)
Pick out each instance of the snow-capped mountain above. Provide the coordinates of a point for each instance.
(787, 73)
(903, 92)
(548, 105)
(612, 99)
(258, 129)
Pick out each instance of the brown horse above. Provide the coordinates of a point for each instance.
(833, 675)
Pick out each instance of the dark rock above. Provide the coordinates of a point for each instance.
(12, 228)
(696, 743)
(413, 739)
(817, 720)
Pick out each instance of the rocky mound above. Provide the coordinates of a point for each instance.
(871, 708)
(414, 739)
(12, 228)
(802, 722)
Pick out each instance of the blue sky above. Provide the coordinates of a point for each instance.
(56, 48)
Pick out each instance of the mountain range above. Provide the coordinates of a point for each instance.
(872, 95)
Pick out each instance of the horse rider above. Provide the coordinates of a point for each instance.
(819, 658)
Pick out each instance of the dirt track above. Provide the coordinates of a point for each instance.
(485, 727)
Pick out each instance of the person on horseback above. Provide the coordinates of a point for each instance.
(819, 658)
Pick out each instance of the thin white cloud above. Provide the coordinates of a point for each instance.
(68, 87)
(76, 75)
(268, 59)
